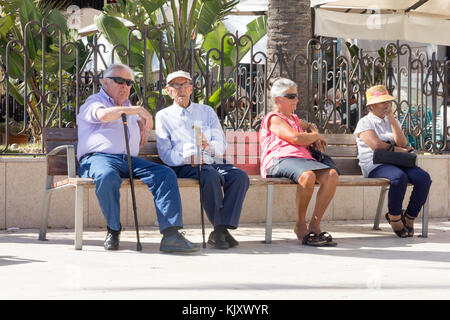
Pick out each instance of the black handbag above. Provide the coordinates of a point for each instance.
(388, 156)
(323, 158)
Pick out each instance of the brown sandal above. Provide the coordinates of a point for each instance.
(312, 239)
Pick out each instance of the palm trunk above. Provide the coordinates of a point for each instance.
(289, 27)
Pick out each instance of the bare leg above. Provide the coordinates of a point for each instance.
(327, 179)
(305, 189)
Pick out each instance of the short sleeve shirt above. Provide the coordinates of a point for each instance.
(105, 137)
(383, 130)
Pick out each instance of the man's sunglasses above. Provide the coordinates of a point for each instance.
(120, 80)
(291, 96)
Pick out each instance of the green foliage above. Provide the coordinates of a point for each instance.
(372, 73)
(20, 26)
(14, 127)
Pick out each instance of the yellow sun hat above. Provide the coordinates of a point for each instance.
(377, 94)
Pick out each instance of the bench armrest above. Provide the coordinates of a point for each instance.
(70, 151)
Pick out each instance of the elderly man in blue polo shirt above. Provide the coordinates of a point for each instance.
(223, 186)
(102, 156)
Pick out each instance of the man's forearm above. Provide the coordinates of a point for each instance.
(114, 113)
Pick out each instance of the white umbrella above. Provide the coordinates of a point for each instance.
(426, 21)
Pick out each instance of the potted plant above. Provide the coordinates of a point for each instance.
(16, 132)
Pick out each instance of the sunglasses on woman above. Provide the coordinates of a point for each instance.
(120, 80)
(291, 96)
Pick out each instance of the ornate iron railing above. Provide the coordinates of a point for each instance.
(336, 84)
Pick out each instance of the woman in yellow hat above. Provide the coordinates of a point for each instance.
(378, 130)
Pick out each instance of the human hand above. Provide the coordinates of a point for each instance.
(146, 117)
(205, 144)
(321, 143)
(144, 136)
(312, 128)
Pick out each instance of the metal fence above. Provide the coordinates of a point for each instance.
(52, 88)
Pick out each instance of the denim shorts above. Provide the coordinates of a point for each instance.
(293, 168)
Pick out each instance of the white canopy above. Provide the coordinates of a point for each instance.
(426, 21)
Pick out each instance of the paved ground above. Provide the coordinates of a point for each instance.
(366, 264)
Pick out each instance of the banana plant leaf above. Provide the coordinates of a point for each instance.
(212, 11)
(256, 30)
(153, 5)
(6, 24)
(228, 90)
(214, 40)
(27, 13)
(15, 61)
(117, 33)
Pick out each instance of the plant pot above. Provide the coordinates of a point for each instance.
(16, 138)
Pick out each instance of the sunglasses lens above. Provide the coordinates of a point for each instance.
(290, 96)
(120, 80)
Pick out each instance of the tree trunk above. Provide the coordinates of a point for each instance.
(290, 28)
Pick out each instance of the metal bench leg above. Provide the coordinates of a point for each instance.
(79, 199)
(269, 208)
(376, 224)
(45, 208)
(425, 216)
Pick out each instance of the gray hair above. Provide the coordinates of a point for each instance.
(115, 66)
(279, 88)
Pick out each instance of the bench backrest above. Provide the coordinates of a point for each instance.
(242, 150)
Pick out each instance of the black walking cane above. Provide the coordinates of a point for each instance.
(198, 144)
(130, 170)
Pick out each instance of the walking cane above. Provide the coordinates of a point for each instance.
(130, 170)
(198, 144)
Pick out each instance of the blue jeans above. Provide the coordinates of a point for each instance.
(107, 171)
(222, 208)
(400, 176)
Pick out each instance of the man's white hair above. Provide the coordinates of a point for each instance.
(279, 88)
(116, 66)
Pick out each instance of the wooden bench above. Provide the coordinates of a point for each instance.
(242, 150)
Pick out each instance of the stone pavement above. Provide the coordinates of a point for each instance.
(366, 264)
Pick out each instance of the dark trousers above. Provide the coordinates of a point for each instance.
(221, 207)
(400, 176)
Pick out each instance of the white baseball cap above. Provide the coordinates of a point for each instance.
(178, 74)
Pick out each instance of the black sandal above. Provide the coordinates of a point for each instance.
(312, 239)
(410, 229)
(328, 238)
(403, 233)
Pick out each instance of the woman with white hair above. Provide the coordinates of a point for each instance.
(284, 141)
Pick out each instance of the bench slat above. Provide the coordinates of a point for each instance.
(341, 151)
(340, 139)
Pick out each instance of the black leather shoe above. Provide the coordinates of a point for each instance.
(112, 239)
(218, 240)
(177, 243)
(229, 238)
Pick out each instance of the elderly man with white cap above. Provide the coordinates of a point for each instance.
(223, 186)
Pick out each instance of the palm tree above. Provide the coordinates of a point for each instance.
(289, 29)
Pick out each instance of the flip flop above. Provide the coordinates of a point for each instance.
(328, 238)
(312, 239)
